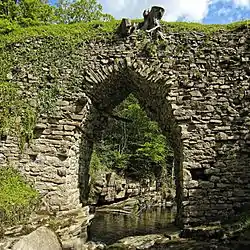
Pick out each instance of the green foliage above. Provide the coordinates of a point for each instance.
(46, 100)
(17, 198)
(27, 12)
(33, 12)
(8, 9)
(36, 12)
(206, 28)
(95, 164)
(155, 149)
(118, 160)
(18, 113)
(143, 135)
(80, 11)
(138, 148)
(71, 33)
(79, 32)
(17, 117)
(7, 26)
(107, 17)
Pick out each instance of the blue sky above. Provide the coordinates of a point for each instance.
(203, 11)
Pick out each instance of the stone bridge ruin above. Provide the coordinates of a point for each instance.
(195, 85)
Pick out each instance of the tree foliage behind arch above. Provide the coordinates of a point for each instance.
(138, 149)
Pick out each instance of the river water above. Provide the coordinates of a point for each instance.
(110, 227)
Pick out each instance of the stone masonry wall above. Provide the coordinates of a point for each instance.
(196, 86)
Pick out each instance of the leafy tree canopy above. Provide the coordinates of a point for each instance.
(80, 11)
(37, 12)
(138, 149)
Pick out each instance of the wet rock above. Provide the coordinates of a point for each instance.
(136, 242)
(205, 233)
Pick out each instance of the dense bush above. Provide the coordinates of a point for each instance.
(7, 26)
(36, 12)
(17, 198)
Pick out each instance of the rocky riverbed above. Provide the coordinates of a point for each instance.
(137, 223)
(173, 242)
(238, 240)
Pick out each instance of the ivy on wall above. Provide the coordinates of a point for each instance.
(17, 116)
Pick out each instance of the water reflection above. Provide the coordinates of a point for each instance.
(108, 227)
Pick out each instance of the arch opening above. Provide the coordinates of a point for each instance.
(102, 101)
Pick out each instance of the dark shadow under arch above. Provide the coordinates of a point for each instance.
(104, 98)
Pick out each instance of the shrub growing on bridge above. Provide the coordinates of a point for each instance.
(17, 198)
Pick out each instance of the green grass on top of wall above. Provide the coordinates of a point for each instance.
(100, 30)
(72, 32)
(206, 28)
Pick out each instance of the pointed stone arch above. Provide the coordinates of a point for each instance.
(205, 86)
(110, 85)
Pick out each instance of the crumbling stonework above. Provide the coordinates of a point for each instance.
(196, 86)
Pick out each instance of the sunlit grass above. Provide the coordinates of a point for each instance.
(17, 197)
(100, 30)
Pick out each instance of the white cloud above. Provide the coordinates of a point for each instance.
(190, 10)
(242, 3)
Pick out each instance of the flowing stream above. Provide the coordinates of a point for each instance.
(110, 227)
